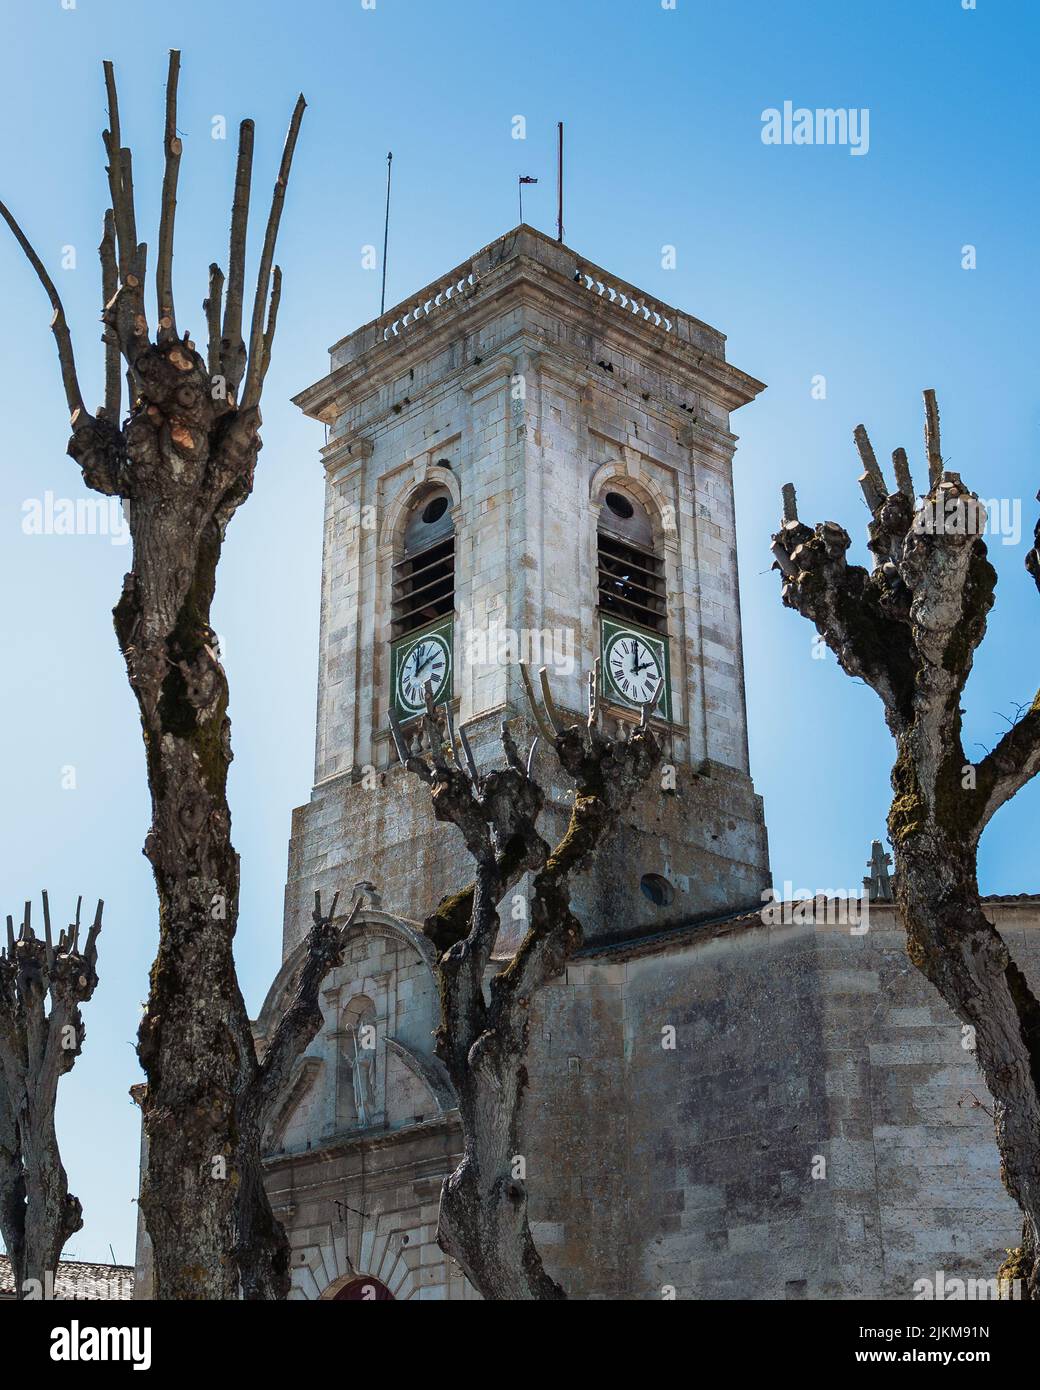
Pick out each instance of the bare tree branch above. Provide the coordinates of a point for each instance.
(122, 206)
(125, 312)
(167, 317)
(302, 1018)
(211, 307)
(255, 368)
(59, 326)
(932, 444)
(109, 286)
(1009, 766)
(136, 251)
(262, 1248)
(233, 358)
(272, 322)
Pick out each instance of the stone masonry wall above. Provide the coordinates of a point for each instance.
(692, 1168)
(818, 1129)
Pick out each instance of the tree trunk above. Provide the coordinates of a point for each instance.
(483, 1220)
(909, 629)
(38, 1045)
(192, 1033)
(183, 462)
(951, 942)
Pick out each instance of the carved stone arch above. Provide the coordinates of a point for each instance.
(375, 1250)
(644, 488)
(426, 474)
(431, 1071)
(369, 922)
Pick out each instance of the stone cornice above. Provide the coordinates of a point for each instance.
(488, 374)
(356, 1142)
(340, 453)
(526, 265)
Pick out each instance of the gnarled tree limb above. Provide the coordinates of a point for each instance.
(910, 629)
(185, 457)
(38, 1045)
(262, 1251)
(483, 1214)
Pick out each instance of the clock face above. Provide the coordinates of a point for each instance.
(634, 666)
(428, 662)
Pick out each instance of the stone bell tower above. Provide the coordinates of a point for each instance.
(530, 458)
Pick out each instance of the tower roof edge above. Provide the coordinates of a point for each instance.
(528, 253)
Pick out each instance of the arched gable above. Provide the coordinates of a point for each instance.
(422, 479)
(369, 922)
(641, 484)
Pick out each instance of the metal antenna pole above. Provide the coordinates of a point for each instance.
(559, 185)
(386, 230)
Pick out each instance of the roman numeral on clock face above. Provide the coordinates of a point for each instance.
(635, 667)
(426, 663)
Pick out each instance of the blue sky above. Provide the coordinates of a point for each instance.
(812, 260)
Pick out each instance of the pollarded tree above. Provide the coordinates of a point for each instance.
(482, 1038)
(909, 629)
(182, 461)
(38, 1045)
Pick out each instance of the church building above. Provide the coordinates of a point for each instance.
(532, 459)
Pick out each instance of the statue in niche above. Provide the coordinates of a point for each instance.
(358, 1059)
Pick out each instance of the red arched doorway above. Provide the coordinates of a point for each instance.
(364, 1289)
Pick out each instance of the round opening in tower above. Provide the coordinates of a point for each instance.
(619, 505)
(657, 889)
(433, 511)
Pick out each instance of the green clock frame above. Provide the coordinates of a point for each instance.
(608, 630)
(400, 650)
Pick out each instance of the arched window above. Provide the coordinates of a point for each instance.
(424, 576)
(631, 576)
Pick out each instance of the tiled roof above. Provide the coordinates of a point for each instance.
(80, 1279)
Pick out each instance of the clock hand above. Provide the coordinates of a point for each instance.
(430, 661)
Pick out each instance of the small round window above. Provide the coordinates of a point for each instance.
(619, 505)
(433, 511)
(657, 889)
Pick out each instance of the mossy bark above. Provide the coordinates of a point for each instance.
(483, 1035)
(909, 629)
(182, 461)
(42, 986)
(191, 464)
